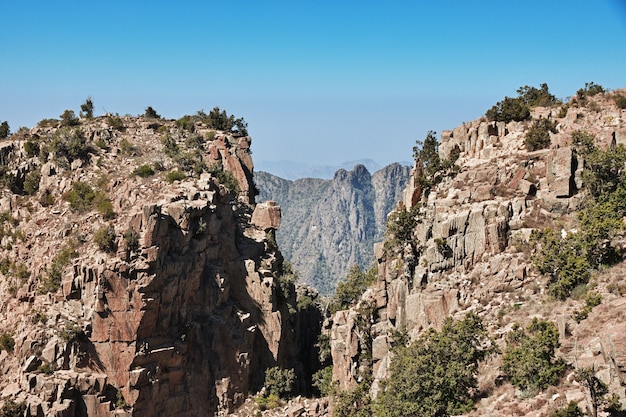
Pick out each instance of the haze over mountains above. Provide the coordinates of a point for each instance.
(330, 225)
(292, 170)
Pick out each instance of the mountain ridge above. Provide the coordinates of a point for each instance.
(330, 225)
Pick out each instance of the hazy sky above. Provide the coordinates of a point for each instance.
(317, 81)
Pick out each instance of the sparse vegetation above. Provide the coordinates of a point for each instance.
(7, 342)
(132, 239)
(68, 118)
(4, 130)
(620, 101)
(436, 374)
(538, 136)
(529, 360)
(220, 120)
(86, 109)
(224, 177)
(143, 171)
(31, 182)
(104, 238)
(52, 282)
(349, 291)
(150, 113)
(175, 175)
(280, 382)
(115, 122)
(518, 109)
(13, 409)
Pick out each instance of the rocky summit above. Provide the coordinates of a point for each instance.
(469, 247)
(140, 277)
(137, 278)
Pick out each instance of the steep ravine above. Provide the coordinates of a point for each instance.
(330, 225)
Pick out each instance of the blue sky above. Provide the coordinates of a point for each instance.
(317, 81)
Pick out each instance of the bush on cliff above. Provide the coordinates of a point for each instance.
(529, 360)
(280, 381)
(436, 374)
(4, 130)
(538, 136)
(518, 108)
(349, 291)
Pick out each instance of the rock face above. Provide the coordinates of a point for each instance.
(180, 315)
(330, 225)
(466, 251)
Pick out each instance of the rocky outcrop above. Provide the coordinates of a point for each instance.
(179, 315)
(467, 248)
(330, 225)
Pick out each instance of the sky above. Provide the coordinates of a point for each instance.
(319, 82)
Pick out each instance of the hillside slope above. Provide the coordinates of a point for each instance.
(136, 277)
(330, 225)
(463, 245)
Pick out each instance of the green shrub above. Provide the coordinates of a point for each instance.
(400, 225)
(620, 101)
(584, 142)
(115, 122)
(170, 147)
(31, 147)
(270, 402)
(220, 120)
(127, 147)
(349, 291)
(323, 381)
(529, 358)
(436, 375)
(538, 136)
(591, 301)
(571, 410)
(68, 118)
(86, 109)
(4, 130)
(68, 145)
(226, 178)
(132, 239)
(175, 175)
(354, 402)
(13, 409)
(186, 123)
(104, 238)
(48, 123)
(144, 171)
(534, 97)
(590, 89)
(279, 381)
(194, 142)
(52, 283)
(508, 110)
(80, 197)
(7, 342)
(31, 182)
(150, 113)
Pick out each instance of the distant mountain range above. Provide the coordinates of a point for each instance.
(328, 225)
(291, 170)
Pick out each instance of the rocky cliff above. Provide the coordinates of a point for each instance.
(137, 278)
(469, 251)
(330, 225)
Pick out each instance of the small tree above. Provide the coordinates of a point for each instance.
(150, 113)
(436, 374)
(538, 136)
(508, 110)
(280, 381)
(86, 109)
(68, 118)
(104, 238)
(529, 361)
(4, 130)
